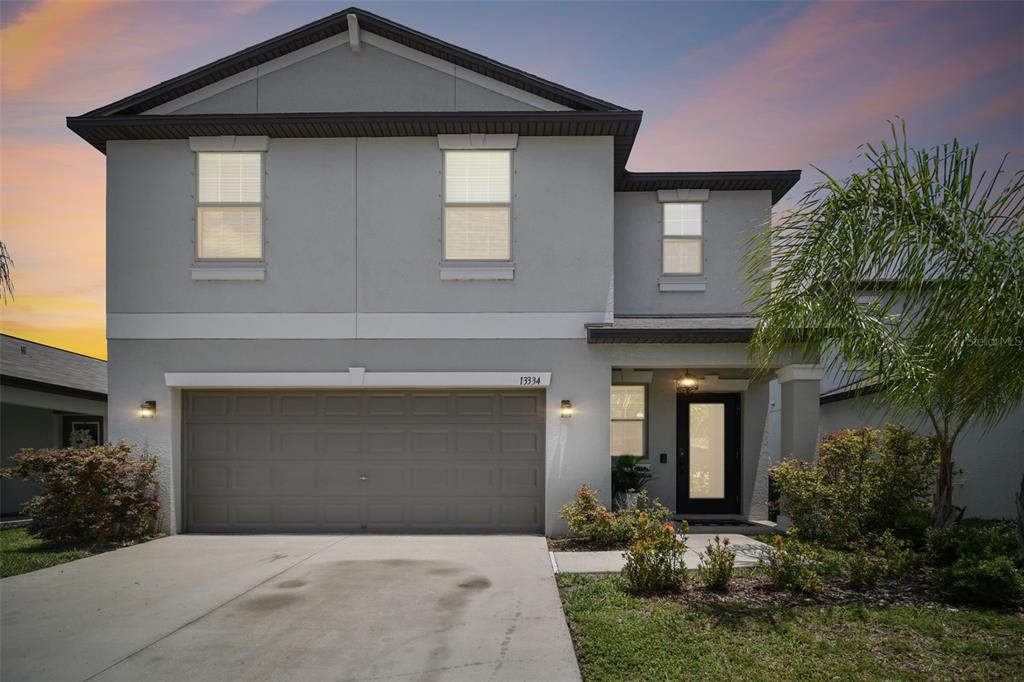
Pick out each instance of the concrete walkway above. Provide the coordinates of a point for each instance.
(195, 607)
(747, 551)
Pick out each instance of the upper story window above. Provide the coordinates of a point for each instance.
(477, 205)
(229, 218)
(681, 242)
(628, 422)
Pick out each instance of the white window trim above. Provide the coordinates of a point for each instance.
(681, 238)
(199, 260)
(486, 262)
(647, 412)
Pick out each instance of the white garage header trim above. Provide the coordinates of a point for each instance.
(358, 377)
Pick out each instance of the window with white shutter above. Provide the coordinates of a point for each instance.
(229, 218)
(477, 205)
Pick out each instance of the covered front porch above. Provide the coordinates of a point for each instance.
(706, 420)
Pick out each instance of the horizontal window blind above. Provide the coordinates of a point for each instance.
(229, 178)
(681, 256)
(476, 233)
(230, 233)
(478, 177)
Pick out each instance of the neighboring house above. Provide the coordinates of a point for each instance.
(989, 461)
(46, 396)
(374, 281)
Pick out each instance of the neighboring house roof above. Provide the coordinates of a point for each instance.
(674, 329)
(125, 119)
(851, 390)
(28, 364)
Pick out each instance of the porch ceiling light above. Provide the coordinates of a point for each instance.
(687, 383)
(147, 410)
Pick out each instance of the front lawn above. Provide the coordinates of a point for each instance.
(21, 553)
(620, 636)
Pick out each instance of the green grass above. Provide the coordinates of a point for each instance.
(619, 636)
(21, 553)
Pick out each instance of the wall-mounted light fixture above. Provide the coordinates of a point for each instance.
(567, 409)
(687, 383)
(147, 410)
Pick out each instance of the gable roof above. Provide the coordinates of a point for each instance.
(338, 23)
(35, 365)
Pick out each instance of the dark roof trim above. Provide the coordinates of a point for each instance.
(622, 125)
(338, 23)
(598, 334)
(849, 393)
(43, 387)
(778, 181)
(47, 345)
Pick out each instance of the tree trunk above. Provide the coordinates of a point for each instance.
(1020, 525)
(942, 508)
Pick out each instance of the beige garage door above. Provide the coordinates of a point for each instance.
(331, 461)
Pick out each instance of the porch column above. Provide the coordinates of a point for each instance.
(800, 395)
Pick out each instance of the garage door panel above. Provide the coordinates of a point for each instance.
(341, 461)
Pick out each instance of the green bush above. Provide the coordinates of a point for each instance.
(792, 565)
(900, 560)
(654, 562)
(972, 539)
(864, 569)
(589, 520)
(716, 566)
(101, 494)
(992, 580)
(864, 481)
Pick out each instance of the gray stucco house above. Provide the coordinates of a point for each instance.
(368, 280)
(48, 398)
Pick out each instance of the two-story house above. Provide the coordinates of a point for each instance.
(362, 279)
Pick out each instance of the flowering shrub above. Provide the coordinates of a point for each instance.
(715, 569)
(654, 562)
(590, 520)
(864, 481)
(99, 494)
(791, 565)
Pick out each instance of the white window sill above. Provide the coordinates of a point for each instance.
(668, 283)
(461, 273)
(252, 273)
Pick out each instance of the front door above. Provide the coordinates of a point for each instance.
(708, 447)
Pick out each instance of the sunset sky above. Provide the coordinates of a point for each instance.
(724, 86)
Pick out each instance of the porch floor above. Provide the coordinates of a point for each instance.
(725, 525)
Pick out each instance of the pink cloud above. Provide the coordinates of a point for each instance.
(824, 82)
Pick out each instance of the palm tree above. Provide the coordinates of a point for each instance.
(911, 272)
(6, 265)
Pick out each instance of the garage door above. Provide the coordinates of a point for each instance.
(407, 461)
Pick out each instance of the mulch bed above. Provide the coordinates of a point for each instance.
(579, 545)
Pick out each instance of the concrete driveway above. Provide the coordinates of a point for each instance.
(200, 607)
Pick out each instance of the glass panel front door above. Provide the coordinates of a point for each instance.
(707, 451)
(708, 441)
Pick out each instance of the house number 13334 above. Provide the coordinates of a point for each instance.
(529, 381)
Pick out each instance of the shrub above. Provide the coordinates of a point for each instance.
(715, 568)
(864, 481)
(971, 539)
(791, 565)
(588, 519)
(654, 563)
(864, 570)
(900, 560)
(991, 580)
(101, 494)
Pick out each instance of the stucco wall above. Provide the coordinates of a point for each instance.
(992, 461)
(577, 448)
(729, 219)
(360, 222)
(339, 79)
(23, 427)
